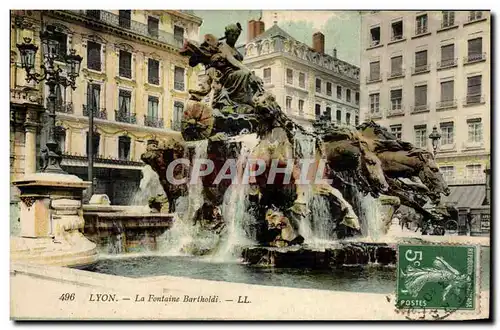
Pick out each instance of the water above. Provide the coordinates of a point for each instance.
(372, 227)
(148, 187)
(372, 278)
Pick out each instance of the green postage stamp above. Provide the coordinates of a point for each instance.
(436, 276)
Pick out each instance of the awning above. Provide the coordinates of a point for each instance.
(84, 163)
(466, 196)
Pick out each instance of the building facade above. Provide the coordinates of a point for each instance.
(426, 69)
(307, 82)
(131, 76)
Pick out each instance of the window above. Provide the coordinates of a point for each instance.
(60, 106)
(329, 88)
(421, 24)
(356, 122)
(356, 99)
(179, 33)
(301, 107)
(374, 71)
(397, 30)
(125, 65)
(374, 102)
(475, 15)
(93, 98)
(421, 61)
(473, 89)
(447, 91)
(475, 130)
(153, 72)
(94, 56)
(328, 113)
(396, 66)
(348, 118)
(179, 78)
(448, 173)
(153, 107)
(317, 111)
(396, 99)
(178, 115)
(124, 18)
(474, 172)
(302, 80)
(475, 50)
(421, 136)
(267, 75)
(288, 103)
(96, 138)
(318, 85)
(124, 148)
(375, 36)
(448, 19)
(348, 95)
(420, 96)
(339, 92)
(447, 133)
(62, 39)
(60, 137)
(289, 76)
(447, 56)
(397, 130)
(153, 24)
(339, 117)
(124, 99)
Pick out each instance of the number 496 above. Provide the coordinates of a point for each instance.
(67, 297)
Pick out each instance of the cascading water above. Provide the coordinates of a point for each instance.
(149, 186)
(370, 211)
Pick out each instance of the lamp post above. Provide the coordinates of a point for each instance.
(435, 137)
(53, 76)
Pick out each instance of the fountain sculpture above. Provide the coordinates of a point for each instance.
(244, 123)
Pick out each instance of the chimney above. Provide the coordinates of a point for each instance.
(259, 28)
(251, 30)
(335, 53)
(319, 42)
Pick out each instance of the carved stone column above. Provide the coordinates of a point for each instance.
(30, 127)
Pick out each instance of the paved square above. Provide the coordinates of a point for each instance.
(436, 276)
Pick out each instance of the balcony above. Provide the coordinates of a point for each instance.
(421, 69)
(179, 85)
(473, 99)
(421, 31)
(396, 111)
(154, 80)
(449, 63)
(473, 58)
(374, 115)
(446, 104)
(102, 159)
(176, 125)
(99, 113)
(373, 78)
(94, 64)
(65, 107)
(125, 72)
(417, 108)
(152, 121)
(397, 37)
(374, 44)
(125, 117)
(141, 29)
(447, 24)
(396, 74)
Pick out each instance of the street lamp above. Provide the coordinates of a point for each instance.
(435, 137)
(52, 74)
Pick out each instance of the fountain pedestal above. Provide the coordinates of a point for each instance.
(51, 220)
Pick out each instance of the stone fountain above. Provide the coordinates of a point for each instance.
(371, 172)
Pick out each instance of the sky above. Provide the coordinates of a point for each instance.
(341, 28)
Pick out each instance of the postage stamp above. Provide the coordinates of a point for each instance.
(436, 276)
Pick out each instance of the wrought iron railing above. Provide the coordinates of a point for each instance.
(396, 111)
(475, 15)
(397, 73)
(419, 108)
(446, 104)
(475, 57)
(447, 63)
(176, 125)
(154, 80)
(125, 72)
(94, 64)
(373, 78)
(179, 85)
(421, 30)
(65, 107)
(152, 121)
(396, 37)
(125, 117)
(99, 113)
(447, 23)
(421, 69)
(142, 29)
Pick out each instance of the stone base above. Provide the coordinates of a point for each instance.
(345, 254)
(75, 250)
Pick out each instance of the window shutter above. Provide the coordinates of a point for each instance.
(374, 70)
(396, 64)
(396, 94)
(447, 91)
(420, 95)
(421, 58)
(447, 52)
(474, 85)
(475, 46)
